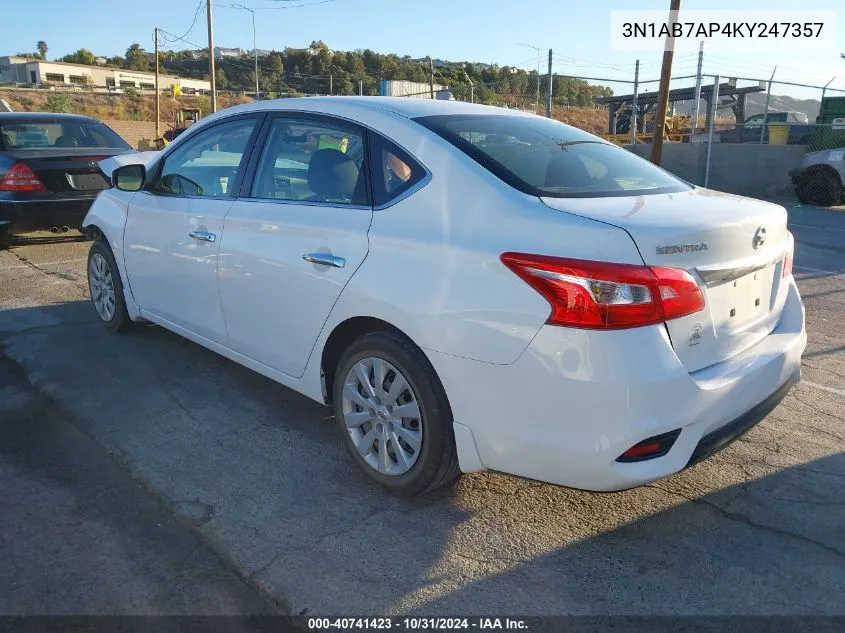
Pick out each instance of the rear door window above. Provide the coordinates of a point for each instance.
(308, 160)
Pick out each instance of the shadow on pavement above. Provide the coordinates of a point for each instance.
(262, 475)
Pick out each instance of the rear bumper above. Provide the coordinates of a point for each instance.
(18, 216)
(716, 440)
(576, 400)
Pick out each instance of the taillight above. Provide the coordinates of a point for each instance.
(790, 255)
(601, 295)
(21, 178)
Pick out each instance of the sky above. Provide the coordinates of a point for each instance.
(457, 30)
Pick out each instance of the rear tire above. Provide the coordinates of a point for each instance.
(820, 189)
(398, 426)
(106, 288)
(5, 239)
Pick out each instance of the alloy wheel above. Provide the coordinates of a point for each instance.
(101, 286)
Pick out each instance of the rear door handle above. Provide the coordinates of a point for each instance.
(327, 259)
(203, 236)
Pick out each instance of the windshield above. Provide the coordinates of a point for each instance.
(544, 157)
(23, 135)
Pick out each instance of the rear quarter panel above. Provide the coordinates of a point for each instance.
(433, 269)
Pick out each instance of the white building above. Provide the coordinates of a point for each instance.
(220, 52)
(23, 70)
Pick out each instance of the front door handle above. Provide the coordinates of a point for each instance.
(203, 236)
(327, 259)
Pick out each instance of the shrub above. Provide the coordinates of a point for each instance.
(57, 102)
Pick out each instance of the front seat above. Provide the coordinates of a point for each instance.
(332, 175)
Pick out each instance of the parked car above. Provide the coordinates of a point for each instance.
(48, 169)
(469, 287)
(819, 180)
(800, 129)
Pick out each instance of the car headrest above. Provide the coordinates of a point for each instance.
(567, 170)
(332, 174)
(66, 141)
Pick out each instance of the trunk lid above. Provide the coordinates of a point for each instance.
(68, 172)
(733, 246)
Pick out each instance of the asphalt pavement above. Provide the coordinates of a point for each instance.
(259, 477)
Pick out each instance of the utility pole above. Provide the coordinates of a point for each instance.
(254, 47)
(663, 94)
(331, 84)
(472, 86)
(634, 106)
(698, 89)
(549, 94)
(211, 70)
(360, 87)
(158, 111)
(431, 75)
(537, 97)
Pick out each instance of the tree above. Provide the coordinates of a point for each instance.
(42, 48)
(82, 56)
(136, 58)
(277, 64)
(222, 79)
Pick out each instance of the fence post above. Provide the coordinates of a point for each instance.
(698, 89)
(766, 112)
(549, 95)
(431, 76)
(714, 102)
(633, 122)
(824, 88)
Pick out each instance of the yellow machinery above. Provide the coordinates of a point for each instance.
(185, 117)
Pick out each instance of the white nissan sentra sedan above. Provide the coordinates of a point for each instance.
(469, 287)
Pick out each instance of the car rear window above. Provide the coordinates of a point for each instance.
(23, 135)
(544, 157)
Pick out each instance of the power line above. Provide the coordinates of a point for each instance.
(196, 17)
(288, 6)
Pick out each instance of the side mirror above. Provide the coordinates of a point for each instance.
(129, 177)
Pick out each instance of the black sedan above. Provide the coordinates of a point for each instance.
(48, 169)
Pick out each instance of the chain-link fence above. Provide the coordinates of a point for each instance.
(774, 136)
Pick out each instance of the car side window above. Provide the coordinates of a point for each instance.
(208, 164)
(394, 170)
(312, 161)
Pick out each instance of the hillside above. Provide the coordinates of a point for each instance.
(318, 69)
(112, 107)
(142, 108)
(755, 103)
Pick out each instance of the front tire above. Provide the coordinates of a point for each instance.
(106, 289)
(394, 415)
